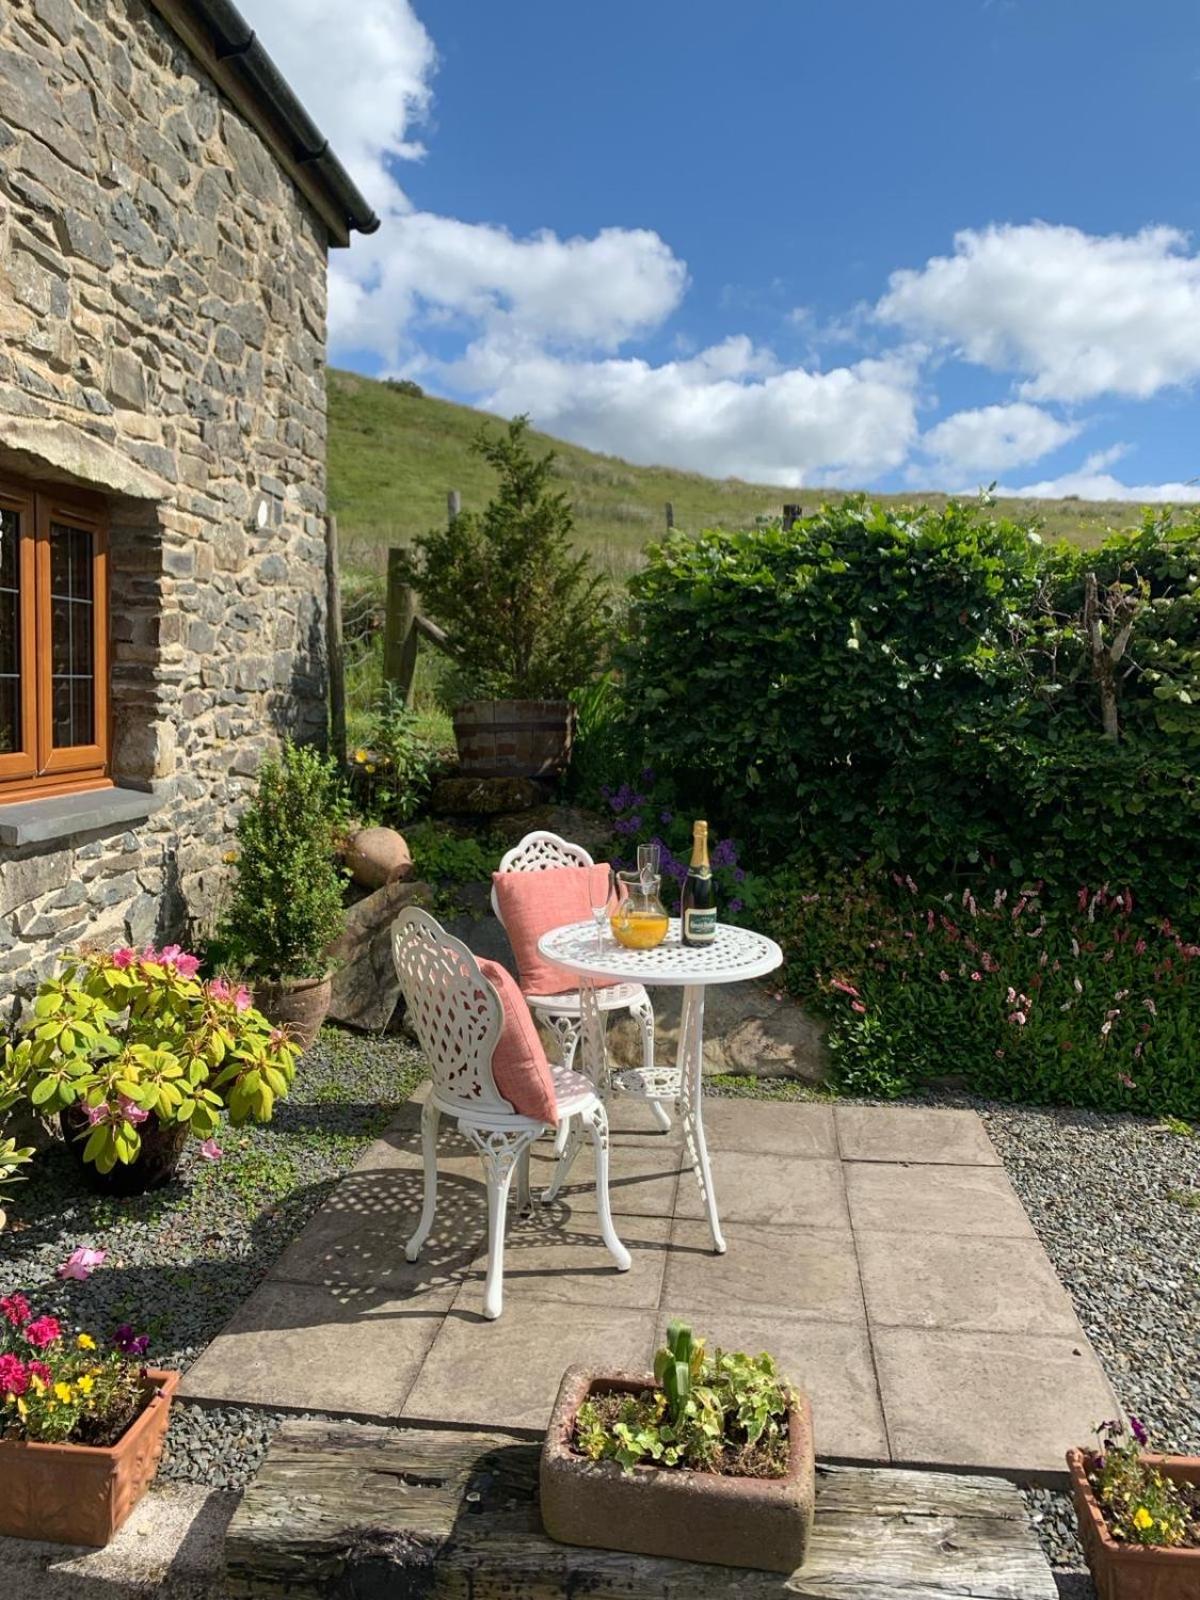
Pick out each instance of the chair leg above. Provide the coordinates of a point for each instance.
(430, 1116)
(643, 1012)
(597, 1119)
(500, 1153)
(524, 1198)
(570, 1136)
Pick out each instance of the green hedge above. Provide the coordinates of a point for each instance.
(919, 689)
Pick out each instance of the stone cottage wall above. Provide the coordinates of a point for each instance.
(162, 317)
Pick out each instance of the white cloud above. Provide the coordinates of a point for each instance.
(1078, 314)
(993, 438)
(728, 411)
(1092, 482)
(363, 73)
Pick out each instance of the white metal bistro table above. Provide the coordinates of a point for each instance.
(735, 955)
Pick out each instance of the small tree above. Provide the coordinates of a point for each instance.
(287, 897)
(525, 615)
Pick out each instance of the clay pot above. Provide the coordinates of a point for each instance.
(664, 1511)
(157, 1161)
(298, 1004)
(78, 1493)
(1133, 1572)
(513, 738)
(377, 857)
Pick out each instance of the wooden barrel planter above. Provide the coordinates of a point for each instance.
(514, 738)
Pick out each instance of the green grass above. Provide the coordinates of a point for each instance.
(393, 457)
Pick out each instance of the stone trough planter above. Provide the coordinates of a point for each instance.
(81, 1494)
(1134, 1572)
(654, 1511)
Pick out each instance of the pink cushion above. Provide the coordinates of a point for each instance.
(519, 1065)
(531, 903)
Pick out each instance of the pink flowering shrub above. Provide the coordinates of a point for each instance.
(1092, 1003)
(126, 1036)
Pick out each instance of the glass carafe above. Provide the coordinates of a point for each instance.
(640, 920)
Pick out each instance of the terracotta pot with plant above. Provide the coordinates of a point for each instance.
(137, 1055)
(526, 616)
(1139, 1516)
(81, 1427)
(709, 1460)
(286, 906)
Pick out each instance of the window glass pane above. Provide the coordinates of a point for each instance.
(10, 631)
(72, 636)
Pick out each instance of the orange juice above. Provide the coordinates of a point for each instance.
(638, 930)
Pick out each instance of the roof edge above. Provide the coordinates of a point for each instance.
(229, 50)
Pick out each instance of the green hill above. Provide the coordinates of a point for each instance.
(393, 457)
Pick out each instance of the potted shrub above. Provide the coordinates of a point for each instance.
(526, 617)
(1139, 1517)
(136, 1055)
(81, 1427)
(711, 1460)
(12, 1155)
(286, 905)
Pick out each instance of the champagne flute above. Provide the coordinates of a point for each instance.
(600, 890)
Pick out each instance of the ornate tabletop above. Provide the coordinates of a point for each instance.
(734, 955)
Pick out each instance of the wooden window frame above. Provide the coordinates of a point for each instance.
(41, 768)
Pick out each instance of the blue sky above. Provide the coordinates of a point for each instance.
(891, 245)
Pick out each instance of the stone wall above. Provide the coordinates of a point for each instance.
(162, 325)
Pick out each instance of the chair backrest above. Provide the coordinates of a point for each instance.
(538, 851)
(455, 1012)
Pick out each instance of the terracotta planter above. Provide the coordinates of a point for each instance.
(81, 1494)
(513, 738)
(157, 1161)
(1134, 1572)
(656, 1511)
(300, 1005)
(378, 856)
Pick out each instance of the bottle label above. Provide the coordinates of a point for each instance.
(700, 926)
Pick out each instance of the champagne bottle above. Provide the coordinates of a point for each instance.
(698, 903)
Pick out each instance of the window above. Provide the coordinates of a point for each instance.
(53, 642)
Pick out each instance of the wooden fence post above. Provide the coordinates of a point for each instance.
(790, 516)
(335, 645)
(400, 633)
(670, 516)
(453, 505)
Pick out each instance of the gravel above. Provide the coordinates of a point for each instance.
(181, 1260)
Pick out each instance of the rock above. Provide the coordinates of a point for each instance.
(746, 1031)
(483, 936)
(587, 828)
(365, 986)
(377, 856)
(484, 797)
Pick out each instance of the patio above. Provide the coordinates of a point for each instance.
(880, 1253)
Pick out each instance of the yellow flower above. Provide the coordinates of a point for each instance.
(360, 756)
(229, 857)
(85, 1384)
(86, 1342)
(370, 766)
(1142, 1518)
(39, 1386)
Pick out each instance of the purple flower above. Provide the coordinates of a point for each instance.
(1139, 1431)
(735, 906)
(627, 825)
(739, 874)
(725, 853)
(666, 816)
(129, 1343)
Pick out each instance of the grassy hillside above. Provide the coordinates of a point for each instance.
(392, 458)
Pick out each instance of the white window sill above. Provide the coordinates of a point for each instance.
(61, 816)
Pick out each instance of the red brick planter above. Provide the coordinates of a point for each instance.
(656, 1511)
(1134, 1572)
(81, 1494)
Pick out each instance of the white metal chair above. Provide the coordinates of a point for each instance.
(458, 1017)
(563, 1013)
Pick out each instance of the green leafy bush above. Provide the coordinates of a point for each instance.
(726, 1412)
(933, 690)
(391, 771)
(1091, 1003)
(526, 615)
(445, 857)
(286, 903)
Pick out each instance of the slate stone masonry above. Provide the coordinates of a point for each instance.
(162, 339)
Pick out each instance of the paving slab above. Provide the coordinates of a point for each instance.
(642, 1180)
(809, 1272)
(770, 1189)
(172, 1546)
(806, 1132)
(941, 1280)
(505, 1374)
(303, 1346)
(913, 1133)
(1005, 1401)
(565, 1259)
(831, 1360)
(933, 1199)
